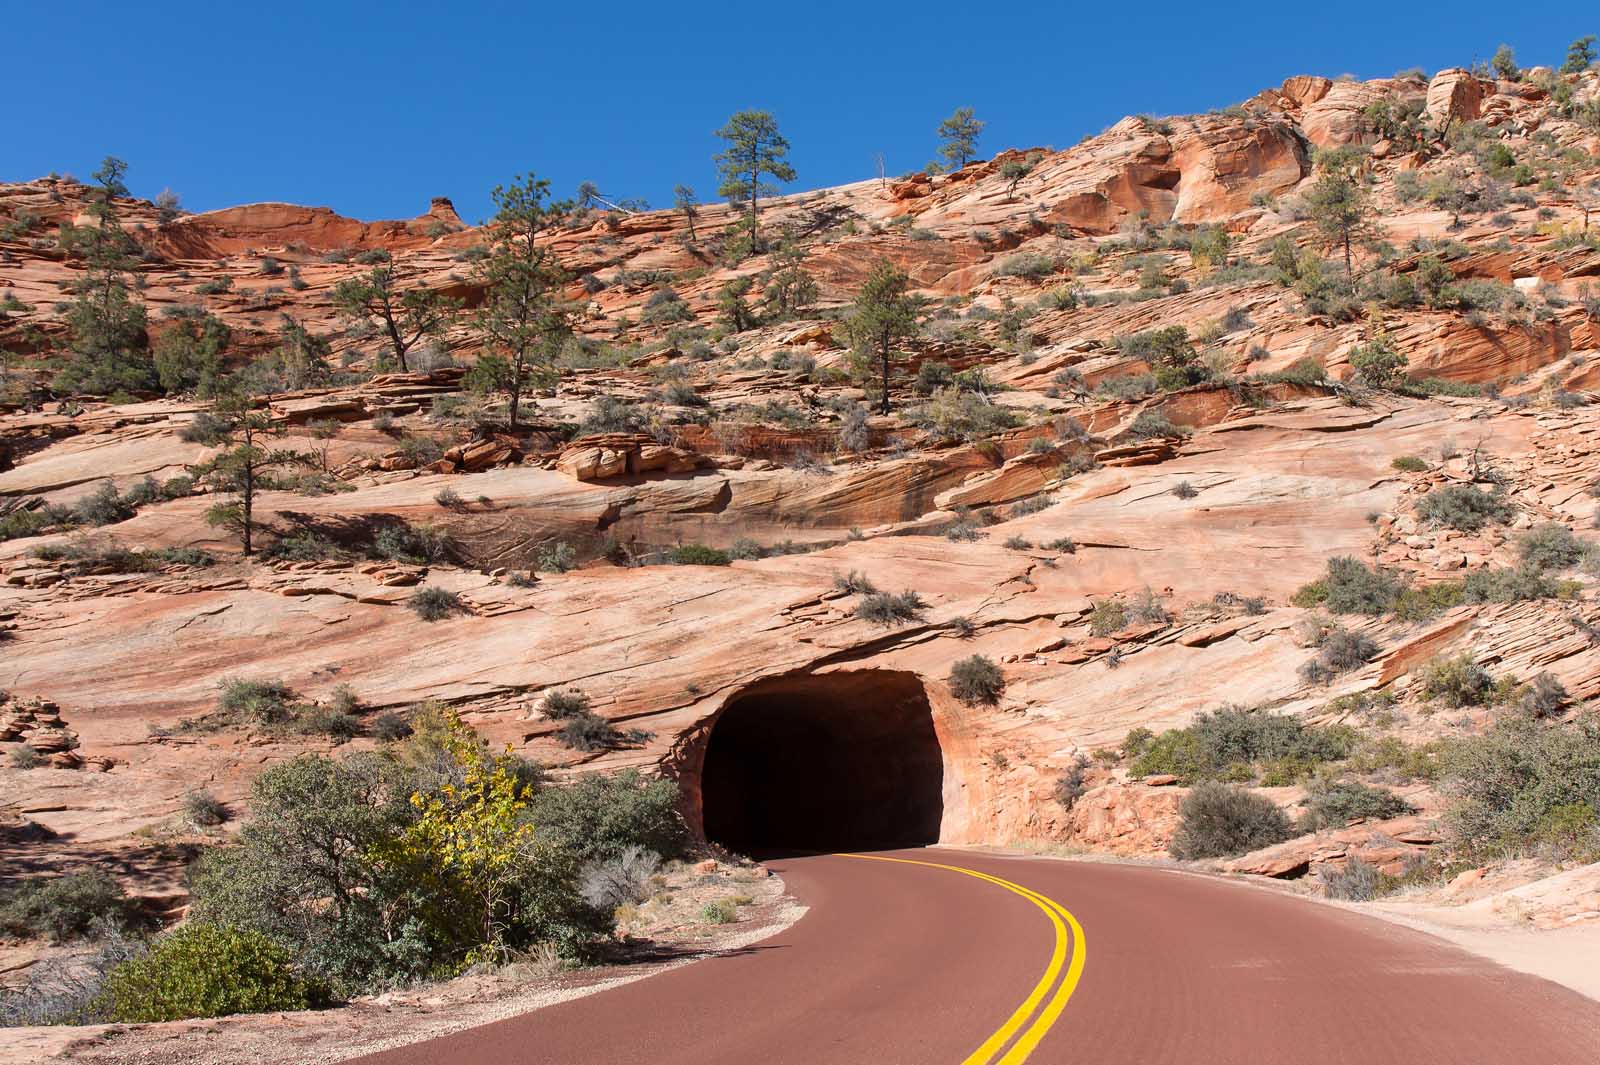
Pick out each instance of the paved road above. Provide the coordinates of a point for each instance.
(982, 960)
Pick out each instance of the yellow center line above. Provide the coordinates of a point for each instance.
(1061, 920)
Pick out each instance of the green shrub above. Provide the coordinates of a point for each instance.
(339, 725)
(1339, 651)
(699, 555)
(890, 608)
(1465, 508)
(1072, 783)
(1150, 424)
(1544, 697)
(414, 544)
(1378, 365)
(65, 907)
(390, 727)
(976, 680)
(588, 732)
(1216, 821)
(719, 911)
(1107, 617)
(560, 705)
(1350, 588)
(206, 970)
(435, 604)
(597, 817)
(853, 583)
(203, 809)
(1334, 804)
(259, 702)
(1228, 744)
(1511, 783)
(1511, 586)
(1550, 545)
(1409, 464)
(1457, 681)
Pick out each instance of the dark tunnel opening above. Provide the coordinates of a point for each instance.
(838, 761)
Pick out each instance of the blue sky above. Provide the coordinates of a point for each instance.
(372, 108)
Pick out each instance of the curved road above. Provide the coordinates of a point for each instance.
(1000, 960)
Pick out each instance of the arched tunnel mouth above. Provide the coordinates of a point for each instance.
(824, 762)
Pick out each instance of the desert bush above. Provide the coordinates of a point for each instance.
(24, 757)
(1234, 743)
(205, 428)
(339, 725)
(608, 883)
(1339, 651)
(1185, 490)
(1150, 424)
(890, 608)
(976, 680)
(414, 544)
(435, 604)
(203, 809)
(1217, 821)
(1457, 681)
(259, 702)
(699, 555)
(556, 557)
(1551, 545)
(1072, 783)
(1409, 464)
(206, 970)
(65, 907)
(1544, 697)
(954, 414)
(1356, 881)
(853, 583)
(588, 731)
(390, 727)
(1028, 264)
(1107, 617)
(1334, 804)
(448, 498)
(1465, 508)
(103, 506)
(719, 911)
(599, 817)
(1350, 588)
(68, 989)
(1521, 782)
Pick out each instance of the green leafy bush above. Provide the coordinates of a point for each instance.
(699, 555)
(1234, 743)
(598, 817)
(1465, 508)
(1217, 821)
(1107, 617)
(1551, 545)
(259, 702)
(206, 970)
(435, 604)
(65, 907)
(1350, 588)
(1519, 782)
(1457, 681)
(1409, 464)
(1334, 804)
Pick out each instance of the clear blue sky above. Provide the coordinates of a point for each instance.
(371, 108)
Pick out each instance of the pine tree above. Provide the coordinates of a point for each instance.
(885, 311)
(107, 325)
(755, 150)
(1580, 55)
(959, 133)
(1340, 206)
(188, 356)
(1504, 64)
(683, 200)
(790, 288)
(1013, 171)
(405, 317)
(523, 320)
(245, 467)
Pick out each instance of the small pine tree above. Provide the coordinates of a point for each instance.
(523, 320)
(755, 150)
(107, 326)
(1504, 64)
(1013, 171)
(959, 134)
(1341, 208)
(245, 467)
(1580, 55)
(683, 200)
(790, 288)
(885, 311)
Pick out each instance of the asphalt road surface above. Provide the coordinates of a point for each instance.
(926, 957)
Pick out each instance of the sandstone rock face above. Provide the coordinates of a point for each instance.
(1085, 485)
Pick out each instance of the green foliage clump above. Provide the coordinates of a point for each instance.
(699, 555)
(259, 702)
(65, 907)
(1458, 681)
(1409, 464)
(1551, 545)
(1525, 782)
(1349, 587)
(1218, 821)
(435, 604)
(207, 970)
(1378, 365)
(1169, 354)
(977, 680)
(1108, 616)
(1336, 803)
(1237, 743)
(1465, 508)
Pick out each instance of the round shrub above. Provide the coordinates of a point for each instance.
(1218, 820)
(977, 680)
(206, 970)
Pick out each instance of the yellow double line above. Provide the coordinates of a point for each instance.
(1061, 920)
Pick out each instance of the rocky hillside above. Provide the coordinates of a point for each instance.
(1114, 529)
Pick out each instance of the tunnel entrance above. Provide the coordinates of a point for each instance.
(836, 761)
